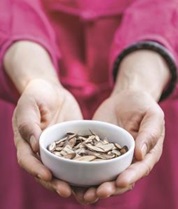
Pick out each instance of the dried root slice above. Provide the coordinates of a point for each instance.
(86, 148)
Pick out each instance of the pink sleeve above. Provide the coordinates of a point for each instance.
(149, 20)
(22, 20)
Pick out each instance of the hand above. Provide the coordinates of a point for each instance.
(139, 114)
(41, 104)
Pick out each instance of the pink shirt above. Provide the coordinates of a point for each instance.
(83, 39)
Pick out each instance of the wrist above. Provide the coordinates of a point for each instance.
(142, 70)
(25, 61)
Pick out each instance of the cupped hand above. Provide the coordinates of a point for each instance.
(139, 114)
(41, 104)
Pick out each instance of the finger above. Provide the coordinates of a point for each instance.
(151, 129)
(90, 196)
(105, 190)
(142, 168)
(108, 189)
(33, 165)
(30, 162)
(61, 187)
(28, 125)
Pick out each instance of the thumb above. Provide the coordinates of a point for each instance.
(26, 120)
(151, 130)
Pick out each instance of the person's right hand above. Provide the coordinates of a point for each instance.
(41, 104)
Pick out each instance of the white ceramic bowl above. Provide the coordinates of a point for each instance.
(86, 173)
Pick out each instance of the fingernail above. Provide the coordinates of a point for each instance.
(144, 150)
(58, 192)
(132, 186)
(62, 194)
(38, 176)
(33, 142)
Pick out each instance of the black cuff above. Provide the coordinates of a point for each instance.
(154, 46)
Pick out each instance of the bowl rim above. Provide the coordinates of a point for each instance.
(131, 149)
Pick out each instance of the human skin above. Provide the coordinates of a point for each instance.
(45, 101)
(133, 104)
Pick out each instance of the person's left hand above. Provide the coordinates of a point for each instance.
(139, 114)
